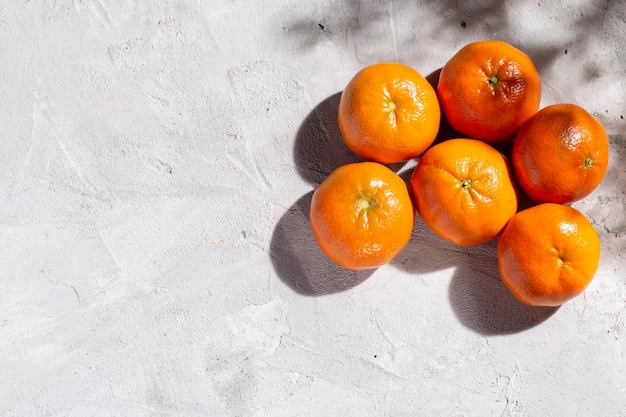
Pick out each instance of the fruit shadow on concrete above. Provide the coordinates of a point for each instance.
(298, 260)
(478, 297)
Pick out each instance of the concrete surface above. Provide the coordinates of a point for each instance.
(157, 161)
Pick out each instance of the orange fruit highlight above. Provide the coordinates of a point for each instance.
(561, 154)
(488, 89)
(362, 215)
(548, 254)
(388, 113)
(463, 190)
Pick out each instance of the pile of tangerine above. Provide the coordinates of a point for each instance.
(464, 189)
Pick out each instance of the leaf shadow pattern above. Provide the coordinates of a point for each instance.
(367, 29)
(363, 29)
(299, 261)
(607, 210)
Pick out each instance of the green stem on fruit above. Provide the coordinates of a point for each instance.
(363, 204)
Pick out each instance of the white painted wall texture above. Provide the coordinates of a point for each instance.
(157, 161)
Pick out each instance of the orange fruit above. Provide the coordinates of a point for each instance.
(362, 215)
(388, 113)
(560, 155)
(548, 254)
(488, 89)
(463, 190)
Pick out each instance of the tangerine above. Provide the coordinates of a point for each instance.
(388, 113)
(561, 154)
(362, 215)
(488, 89)
(548, 254)
(463, 190)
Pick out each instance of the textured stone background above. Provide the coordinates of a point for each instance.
(157, 162)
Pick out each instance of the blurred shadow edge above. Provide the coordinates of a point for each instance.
(300, 263)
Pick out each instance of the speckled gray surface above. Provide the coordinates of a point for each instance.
(158, 160)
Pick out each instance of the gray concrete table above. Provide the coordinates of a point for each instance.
(157, 162)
